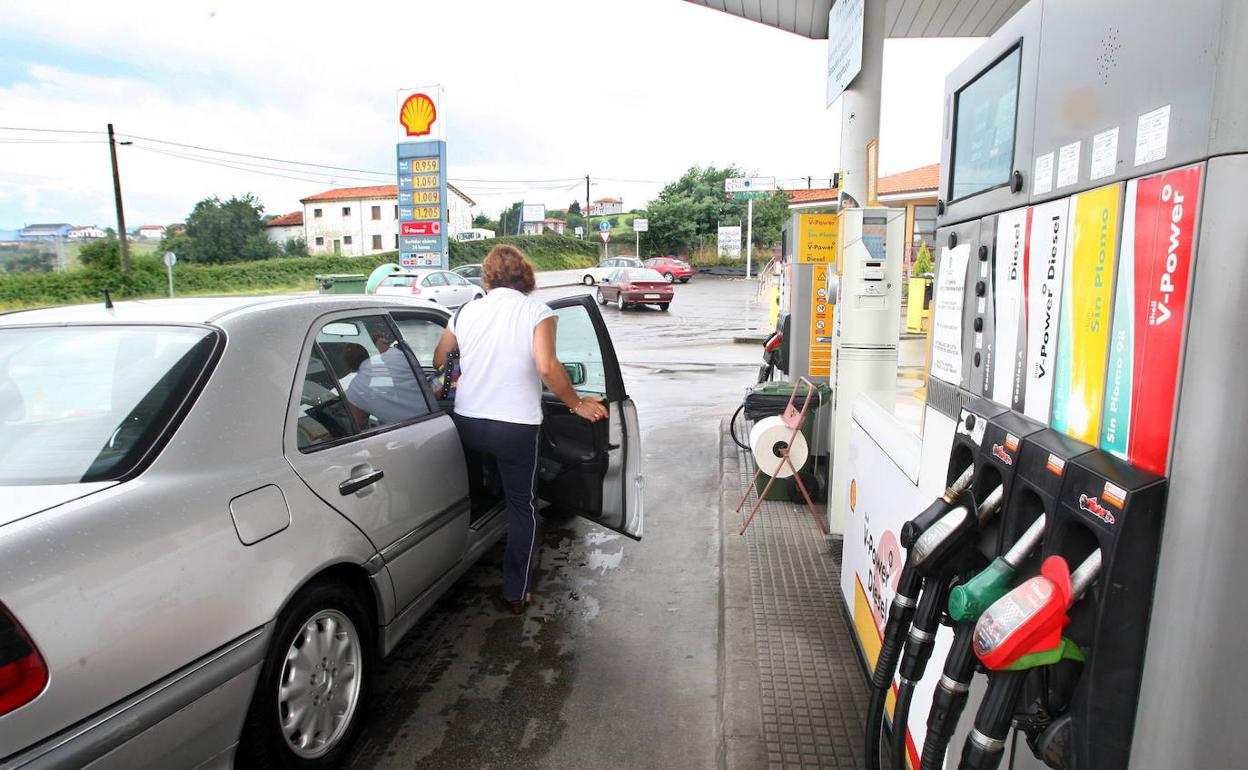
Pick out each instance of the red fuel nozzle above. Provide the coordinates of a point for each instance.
(1030, 618)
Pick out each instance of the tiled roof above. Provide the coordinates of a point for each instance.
(608, 200)
(355, 193)
(922, 179)
(821, 195)
(293, 219)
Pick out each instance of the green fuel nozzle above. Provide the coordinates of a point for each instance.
(969, 600)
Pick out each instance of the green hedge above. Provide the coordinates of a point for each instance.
(147, 277)
(548, 251)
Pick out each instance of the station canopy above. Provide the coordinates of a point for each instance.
(903, 18)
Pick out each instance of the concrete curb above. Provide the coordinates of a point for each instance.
(740, 701)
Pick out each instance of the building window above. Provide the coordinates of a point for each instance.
(376, 212)
(319, 240)
(346, 211)
(376, 243)
(316, 213)
(346, 239)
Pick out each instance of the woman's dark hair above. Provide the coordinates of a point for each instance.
(507, 267)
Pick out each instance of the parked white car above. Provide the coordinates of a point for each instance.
(593, 275)
(440, 286)
(220, 513)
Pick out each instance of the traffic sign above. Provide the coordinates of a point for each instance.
(742, 196)
(604, 225)
(605, 235)
(171, 259)
(739, 184)
(641, 225)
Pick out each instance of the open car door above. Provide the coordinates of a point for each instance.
(591, 469)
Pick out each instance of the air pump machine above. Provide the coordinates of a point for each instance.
(1089, 290)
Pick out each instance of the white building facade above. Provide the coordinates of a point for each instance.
(85, 232)
(355, 221)
(285, 228)
(605, 207)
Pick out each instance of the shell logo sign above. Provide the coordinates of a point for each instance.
(417, 114)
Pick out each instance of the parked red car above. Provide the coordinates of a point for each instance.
(630, 286)
(671, 268)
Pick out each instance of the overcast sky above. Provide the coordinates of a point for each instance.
(537, 94)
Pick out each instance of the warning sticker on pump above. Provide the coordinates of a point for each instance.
(1055, 464)
(1114, 494)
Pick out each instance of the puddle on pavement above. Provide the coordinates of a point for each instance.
(474, 686)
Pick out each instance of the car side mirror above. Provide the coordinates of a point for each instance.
(576, 373)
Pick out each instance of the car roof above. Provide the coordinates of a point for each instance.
(192, 310)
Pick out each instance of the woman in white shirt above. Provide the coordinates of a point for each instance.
(506, 343)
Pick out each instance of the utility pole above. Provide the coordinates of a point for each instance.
(749, 237)
(121, 217)
(586, 211)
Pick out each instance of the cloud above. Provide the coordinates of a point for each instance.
(534, 91)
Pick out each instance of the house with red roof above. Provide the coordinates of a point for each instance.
(605, 207)
(355, 221)
(285, 228)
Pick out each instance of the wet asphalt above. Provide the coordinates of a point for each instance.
(616, 664)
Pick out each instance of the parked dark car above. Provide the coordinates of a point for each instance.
(636, 286)
(471, 272)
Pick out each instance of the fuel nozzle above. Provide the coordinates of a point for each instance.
(911, 530)
(939, 547)
(969, 600)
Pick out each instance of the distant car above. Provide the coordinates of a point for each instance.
(472, 273)
(220, 512)
(595, 274)
(671, 268)
(440, 286)
(636, 286)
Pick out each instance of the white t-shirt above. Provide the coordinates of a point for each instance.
(498, 377)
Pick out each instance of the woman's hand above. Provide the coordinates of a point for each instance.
(592, 409)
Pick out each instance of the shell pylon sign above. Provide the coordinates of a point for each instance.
(422, 188)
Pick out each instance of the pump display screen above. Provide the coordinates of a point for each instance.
(983, 134)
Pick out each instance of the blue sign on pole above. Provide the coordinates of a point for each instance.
(604, 225)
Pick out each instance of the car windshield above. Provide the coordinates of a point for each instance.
(87, 403)
(645, 275)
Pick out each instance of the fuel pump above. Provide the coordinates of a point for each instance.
(902, 610)
(1020, 632)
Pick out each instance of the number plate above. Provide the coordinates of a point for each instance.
(652, 296)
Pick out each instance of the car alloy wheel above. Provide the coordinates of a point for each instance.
(601, 299)
(310, 700)
(319, 689)
(588, 280)
(619, 301)
(668, 276)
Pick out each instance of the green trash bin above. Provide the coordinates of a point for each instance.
(347, 283)
(771, 398)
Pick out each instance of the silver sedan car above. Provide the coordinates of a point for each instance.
(218, 513)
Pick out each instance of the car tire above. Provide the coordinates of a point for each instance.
(619, 301)
(669, 277)
(685, 279)
(332, 610)
(588, 280)
(601, 299)
(664, 305)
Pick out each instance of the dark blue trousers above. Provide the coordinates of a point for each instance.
(514, 448)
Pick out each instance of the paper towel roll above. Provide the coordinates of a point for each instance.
(768, 438)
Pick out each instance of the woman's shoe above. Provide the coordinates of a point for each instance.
(517, 607)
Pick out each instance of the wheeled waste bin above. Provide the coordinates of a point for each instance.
(348, 283)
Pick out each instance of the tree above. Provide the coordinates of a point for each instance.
(295, 247)
(694, 206)
(100, 254)
(484, 222)
(223, 231)
(509, 219)
(574, 208)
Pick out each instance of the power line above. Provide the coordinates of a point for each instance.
(52, 130)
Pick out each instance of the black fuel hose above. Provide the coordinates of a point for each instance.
(950, 696)
(732, 428)
(918, 651)
(986, 744)
(900, 613)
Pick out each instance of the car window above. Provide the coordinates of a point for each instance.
(421, 336)
(378, 383)
(472, 271)
(434, 279)
(576, 345)
(323, 412)
(88, 403)
(614, 276)
(398, 280)
(644, 274)
(455, 280)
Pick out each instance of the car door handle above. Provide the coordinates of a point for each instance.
(355, 484)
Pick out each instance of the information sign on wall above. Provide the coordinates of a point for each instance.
(421, 172)
(817, 238)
